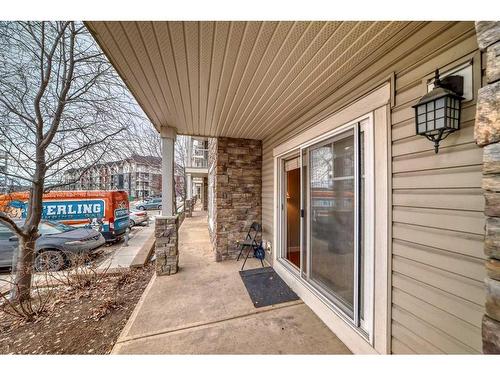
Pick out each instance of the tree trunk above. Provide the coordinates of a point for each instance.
(25, 260)
(24, 268)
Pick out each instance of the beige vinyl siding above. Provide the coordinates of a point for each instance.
(438, 223)
(437, 204)
(423, 42)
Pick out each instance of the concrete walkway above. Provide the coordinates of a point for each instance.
(205, 309)
(135, 254)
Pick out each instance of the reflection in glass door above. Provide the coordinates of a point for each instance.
(332, 200)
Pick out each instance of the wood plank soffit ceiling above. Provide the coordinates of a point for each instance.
(240, 79)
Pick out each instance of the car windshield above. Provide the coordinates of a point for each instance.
(5, 232)
(52, 227)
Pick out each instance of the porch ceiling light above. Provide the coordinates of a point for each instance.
(437, 113)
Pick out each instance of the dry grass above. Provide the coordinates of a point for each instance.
(82, 315)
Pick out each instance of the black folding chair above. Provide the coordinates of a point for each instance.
(250, 242)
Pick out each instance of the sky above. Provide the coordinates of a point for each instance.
(99, 115)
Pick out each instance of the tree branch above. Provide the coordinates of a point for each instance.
(68, 80)
(11, 224)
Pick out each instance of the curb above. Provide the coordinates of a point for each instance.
(133, 316)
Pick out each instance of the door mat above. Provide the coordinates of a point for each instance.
(266, 288)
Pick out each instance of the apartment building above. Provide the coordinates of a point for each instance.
(197, 169)
(139, 176)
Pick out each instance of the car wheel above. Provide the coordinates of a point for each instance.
(49, 260)
(141, 208)
(159, 207)
(132, 223)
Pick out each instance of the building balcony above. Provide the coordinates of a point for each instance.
(201, 171)
(201, 153)
(198, 165)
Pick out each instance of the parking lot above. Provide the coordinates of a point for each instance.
(109, 253)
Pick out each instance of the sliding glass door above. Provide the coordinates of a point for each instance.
(335, 238)
(332, 218)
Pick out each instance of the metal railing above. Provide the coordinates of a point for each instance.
(199, 158)
(200, 153)
(200, 163)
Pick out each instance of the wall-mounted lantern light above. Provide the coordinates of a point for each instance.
(437, 113)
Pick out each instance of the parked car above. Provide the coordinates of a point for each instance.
(152, 204)
(146, 200)
(55, 247)
(137, 217)
(139, 202)
(106, 211)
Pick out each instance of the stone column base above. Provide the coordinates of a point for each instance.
(166, 246)
(188, 208)
(491, 335)
(487, 135)
(205, 194)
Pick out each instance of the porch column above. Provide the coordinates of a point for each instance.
(167, 225)
(236, 184)
(202, 193)
(205, 193)
(189, 187)
(487, 135)
(167, 170)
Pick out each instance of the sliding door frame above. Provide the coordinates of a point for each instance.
(282, 185)
(365, 121)
(376, 105)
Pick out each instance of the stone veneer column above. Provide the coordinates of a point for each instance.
(236, 165)
(166, 245)
(487, 135)
(188, 208)
(205, 193)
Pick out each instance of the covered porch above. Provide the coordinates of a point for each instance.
(205, 309)
(314, 138)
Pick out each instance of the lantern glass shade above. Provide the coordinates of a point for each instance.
(440, 114)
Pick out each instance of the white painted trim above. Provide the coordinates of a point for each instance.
(197, 171)
(377, 98)
(344, 331)
(211, 197)
(383, 216)
(167, 176)
(168, 132)
(375, 107)
(368, 126)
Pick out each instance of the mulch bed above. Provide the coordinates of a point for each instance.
(77, 321)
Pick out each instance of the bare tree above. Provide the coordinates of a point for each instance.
(144, 139)
(149, 143)
(61, 105)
